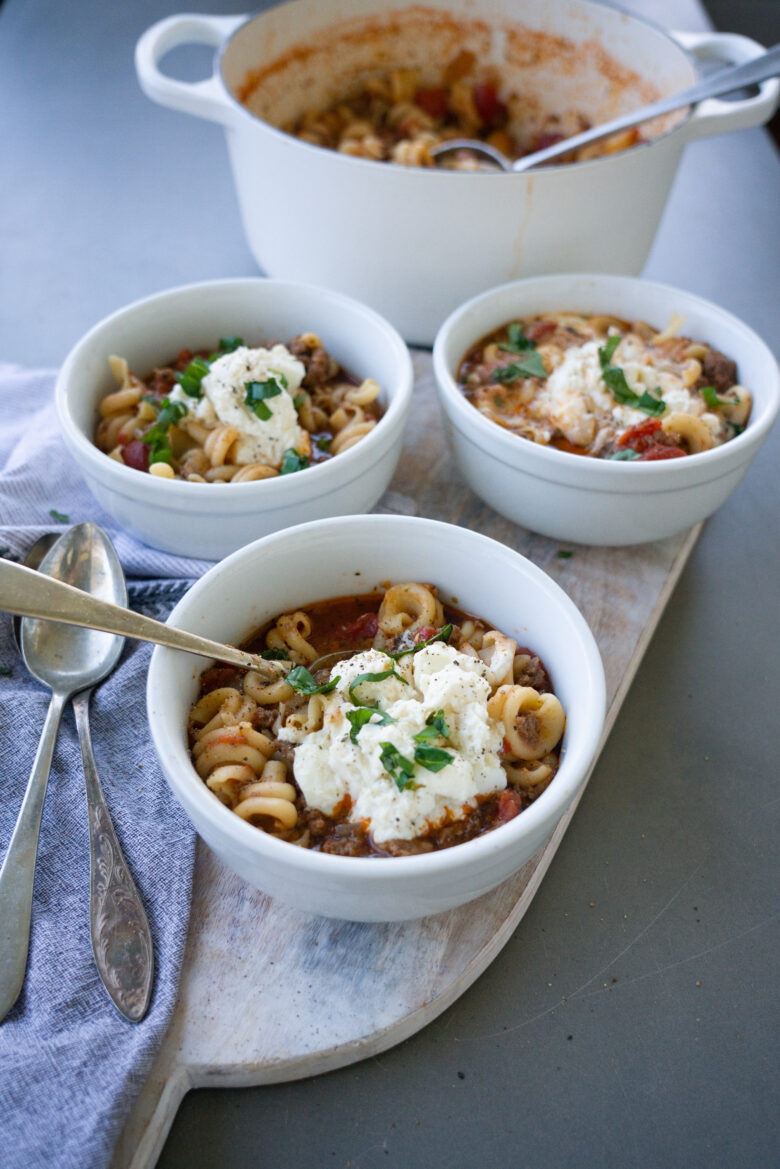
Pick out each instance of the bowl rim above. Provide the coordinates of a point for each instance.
(654, 475)
(278, 489)
(547, 808)
(552, 167)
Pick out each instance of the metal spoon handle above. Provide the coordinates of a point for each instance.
(121, 939)
(726, 80)
(17, 875)
(32, 594)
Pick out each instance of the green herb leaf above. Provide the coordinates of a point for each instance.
(607, 352)
(564, 554)
(157, 435)
(499, 401)
(256, 394)
(298, 400)
(614, 377)
(230, 344)
(432, 758)
(5, 671)
(518, 342)
(304, 683)
(650, 404)
(710, 395)
(358, 719)
(736, 428)
(435, 727)
(397, 766)
(323, 442)
(192, 376)
(444, 634)
(59, 516)
(380, 677)
(624, 456)
(292, 461)
(530, 366)
(275, 655)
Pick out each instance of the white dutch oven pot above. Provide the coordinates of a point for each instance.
(414, 243)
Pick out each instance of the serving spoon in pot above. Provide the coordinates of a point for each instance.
(31, 594)
(725, 81)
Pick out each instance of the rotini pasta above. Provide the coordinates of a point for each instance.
(238, 415)
(422, 690)
(605, 387)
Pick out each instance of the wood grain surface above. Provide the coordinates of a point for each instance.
(271, 994)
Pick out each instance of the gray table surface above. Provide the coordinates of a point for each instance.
(631, 1020)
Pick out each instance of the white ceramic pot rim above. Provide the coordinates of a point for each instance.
(275, 492)
(189, 788)
(423, 174)
(602, 474)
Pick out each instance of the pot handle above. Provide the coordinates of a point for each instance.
(717, 116)
(205, 99)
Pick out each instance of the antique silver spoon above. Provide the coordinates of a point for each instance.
(67, 660)
(726, 80)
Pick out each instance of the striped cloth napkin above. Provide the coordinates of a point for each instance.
(70, 1066)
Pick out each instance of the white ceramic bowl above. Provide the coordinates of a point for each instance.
(210, 520)
(415, 242)
(336, 557)
(596, 501)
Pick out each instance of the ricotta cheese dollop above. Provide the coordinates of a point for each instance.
(329, 766)
(224, 391)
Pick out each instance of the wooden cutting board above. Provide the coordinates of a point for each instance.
(270, 994)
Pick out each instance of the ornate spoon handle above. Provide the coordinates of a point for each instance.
(121, 940)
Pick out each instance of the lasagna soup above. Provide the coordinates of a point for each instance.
(401, 727)
(605, 387)
(237, 414)
(398, 116)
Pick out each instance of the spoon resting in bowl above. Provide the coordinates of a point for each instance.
(725, 81)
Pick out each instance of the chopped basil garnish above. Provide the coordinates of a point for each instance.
(230, 344)
(323, 442)
(432, 758)
(624, 456)
(398, 766)
(192, 376)
(518, 342)
(435, 727)
(298, 400)
(256, 394)
(59, 516)
(499, 401)
(303, 682)
(736, 428)
(275, 655)
(564, 554)
(380, 677)
(710, 395)
(614, 377)
(5, 671)
(530, 366)
(358, 719)
(444, 634)
(292, 461)
(157, 435)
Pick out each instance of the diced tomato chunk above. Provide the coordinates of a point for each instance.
(184, 359)
(136, 455)
(638, 437)
(433, 101)
(661, 451)
(424, 633)
(510, 804)
(363, 626)
(492, 112)
(538, 329)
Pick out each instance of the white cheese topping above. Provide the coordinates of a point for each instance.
(224, 390)
(329, 766)
(577, 400)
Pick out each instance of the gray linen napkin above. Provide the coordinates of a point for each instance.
(70, 1066)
